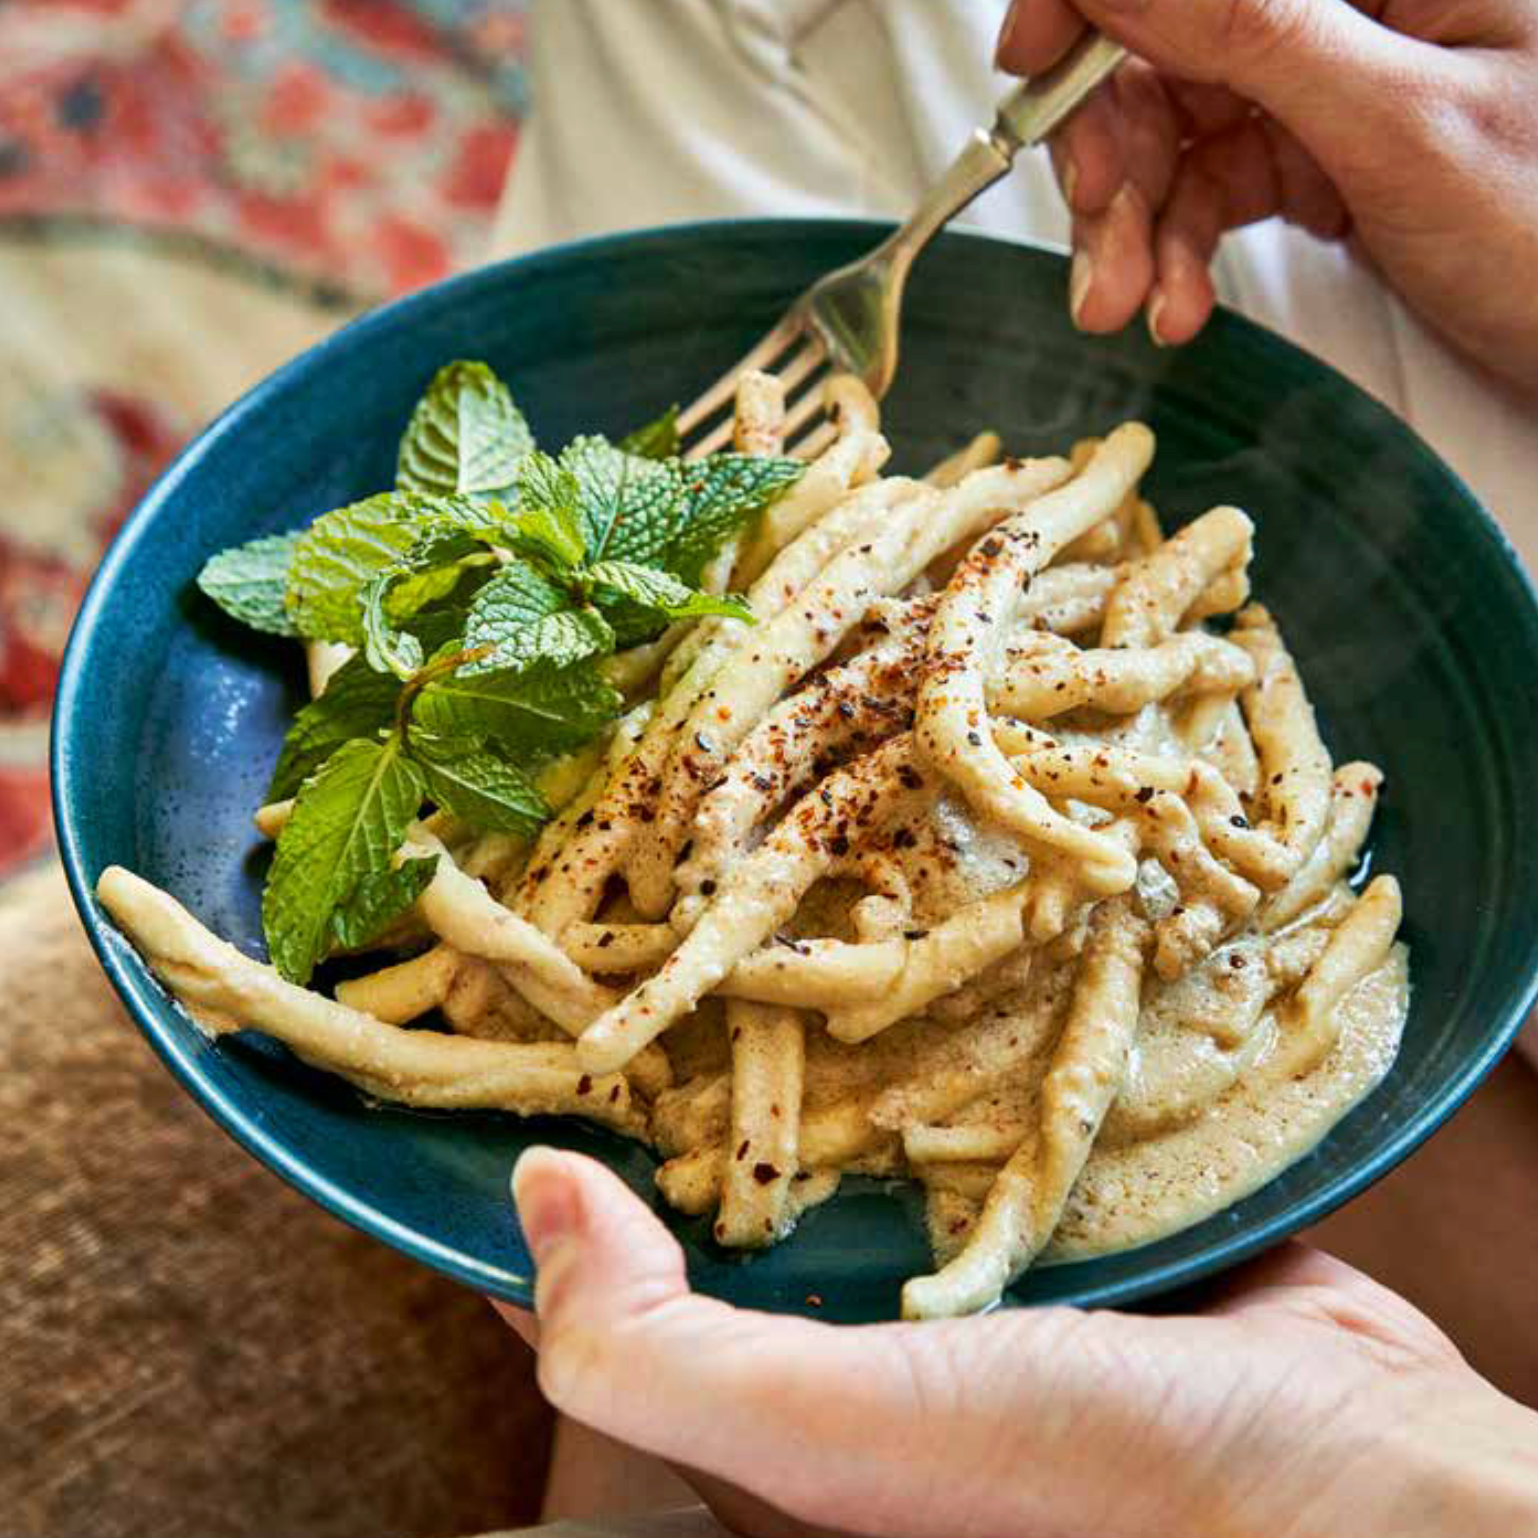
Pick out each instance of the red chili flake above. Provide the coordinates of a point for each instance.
(1367, 787)
(765, 1173)
(1276, 779)
(585, 1084)
(742, 1150)
(1145, 794)
(960, 1225)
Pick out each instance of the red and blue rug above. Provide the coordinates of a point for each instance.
(190, 192)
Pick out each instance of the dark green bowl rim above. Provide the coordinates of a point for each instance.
(145, 999)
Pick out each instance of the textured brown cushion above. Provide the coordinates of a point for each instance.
(189, 1347)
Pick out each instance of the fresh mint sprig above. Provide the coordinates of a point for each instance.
(480, 595)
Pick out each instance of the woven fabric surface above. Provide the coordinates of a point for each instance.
(187, 1347)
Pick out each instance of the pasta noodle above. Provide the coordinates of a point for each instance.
(990, 854)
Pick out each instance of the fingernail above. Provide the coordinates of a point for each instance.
(1010, 17)
(1080, 277)
(1155, 311)
(549, 1209)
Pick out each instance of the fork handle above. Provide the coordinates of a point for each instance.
(1035, 107)
(1029, 113)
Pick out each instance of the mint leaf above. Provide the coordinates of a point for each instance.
(386, 647)
(378, 900)
(630, 507)
(357, 702)
(663, 592)
(534, 714)
(465, 435)
(348, 820)
(479, 788)
(722, 493)
(343, 551)
(526, 618)
(548, 522)
(633, 624)
(656, 440)
(247, 582)
(431, 570)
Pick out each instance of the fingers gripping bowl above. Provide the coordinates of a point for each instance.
(1412, 628)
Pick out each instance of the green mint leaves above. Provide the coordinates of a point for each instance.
(358, 702)
(521, 617)
(347, 823)
(550, 524)
(248, 582)
(480, 595)
(656, 440)
(660, 591)
(478, 786)
(721, 495)
(465, 435)
(530, 716)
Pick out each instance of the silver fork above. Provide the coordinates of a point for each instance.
(848, 321)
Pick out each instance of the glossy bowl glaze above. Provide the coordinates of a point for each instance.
(1415, 628)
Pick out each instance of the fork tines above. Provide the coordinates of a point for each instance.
(802, 359)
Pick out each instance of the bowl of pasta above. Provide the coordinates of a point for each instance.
(1042, 839)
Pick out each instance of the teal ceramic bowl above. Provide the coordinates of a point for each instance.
(1415, 628)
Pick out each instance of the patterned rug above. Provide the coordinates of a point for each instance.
(190, 192)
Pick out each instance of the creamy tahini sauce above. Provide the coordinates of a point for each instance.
(1136, 1193)
(1200, 1121)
